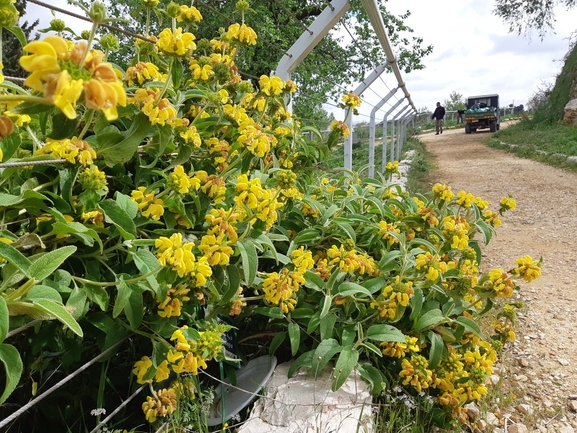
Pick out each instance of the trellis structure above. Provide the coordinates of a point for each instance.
(314, 34)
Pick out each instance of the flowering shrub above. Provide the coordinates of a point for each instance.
(146, 204)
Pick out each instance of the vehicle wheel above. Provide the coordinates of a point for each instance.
(467, 128)
(492, 126)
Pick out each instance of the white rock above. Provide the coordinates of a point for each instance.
(305, 404)
(525, 408)
(518, 428)
(572, 405)
(566, 429)
(563, 362)
(492, 419)
(472, 411)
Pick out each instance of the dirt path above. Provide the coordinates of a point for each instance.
(543, 361)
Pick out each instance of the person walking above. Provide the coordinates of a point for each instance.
(438, 115)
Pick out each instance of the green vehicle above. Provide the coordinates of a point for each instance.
(482, 112)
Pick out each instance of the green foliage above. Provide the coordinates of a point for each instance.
(455, 102)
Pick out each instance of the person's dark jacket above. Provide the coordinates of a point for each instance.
(439, 113)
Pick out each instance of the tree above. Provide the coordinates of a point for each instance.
(522, 16)
(329, 70)
(11, 46)
(455, 102)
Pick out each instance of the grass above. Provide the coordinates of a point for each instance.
(551, 144)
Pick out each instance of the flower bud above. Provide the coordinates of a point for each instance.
(6, 126)
(85, 34)
(57, 25)
(242, 5)
(97, 12)
(110, 42)
(149, 3)
(173, 10)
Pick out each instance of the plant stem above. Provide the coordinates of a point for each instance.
(88, 116)
(116, 283)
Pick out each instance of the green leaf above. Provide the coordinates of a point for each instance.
(249, 260)
(295, 337)
(10, 357)
(374, 285)
(47, 263)
(428, 320)
(15, 257)
(4, 321)
(351, 289)
(119, 147)
(9, 199)
(302, 361)
(10, 145)
(327, 326)
(114, 214)
(122, 297)
(134, 310)
(276, 342)
(373, 348)
(76, 302)
(347, 228)
(43, 292)
(59, 312)
(147, 262)
(416, 303)
(302, 313)
(307, 237)
(126, 204)
(313, 281)
(373, 376)
(21, 36)
(328, 300)
(384, 332)
(98, 295)
(469, 325)
(274, 312)
(63, 127)
(176, 72)
(233, 284)
(436, 350)
(345, 364)
(31, 108)
(323, 354)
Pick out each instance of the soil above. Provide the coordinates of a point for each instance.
(541, 366)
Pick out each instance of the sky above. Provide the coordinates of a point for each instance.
(473, 54)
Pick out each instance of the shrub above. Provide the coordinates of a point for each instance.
(147, 211)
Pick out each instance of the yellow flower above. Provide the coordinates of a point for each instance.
(189, 14)
(105, 96)
(507, 203)
(160, 113)
(341, 127)
(43, 60)
(181, 44)
(528, 268)
(351, 100)
(465, 199)
(64, 92)
(271, 86)
(241, 33)
(143, 72)
(155, 209)
(141, 368)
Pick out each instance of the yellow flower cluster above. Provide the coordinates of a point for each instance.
(92, 179)
(179, 43)
(400, 350)
(189, 15)
(433, 264)
(63, 71)
(507, 203)
(159, 406)
(341, 127)
(416, 373)
(280, 288)
(241, 33)
(351, 100)
(500, 283)
(274, 86)
(173, 301)
(148, 204)
(254, 202)
(385, 231)
(72, 150)
(143, 72)
(527, 268)
(216, 248)
(456, 230)
(172, 252)
(443, 192)
(491, 218)
(465, 199)
(182, 183)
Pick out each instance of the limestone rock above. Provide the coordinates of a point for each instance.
(302, 403)
(518, 428)
(570, 117)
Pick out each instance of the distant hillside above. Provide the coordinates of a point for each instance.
(564, 90)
